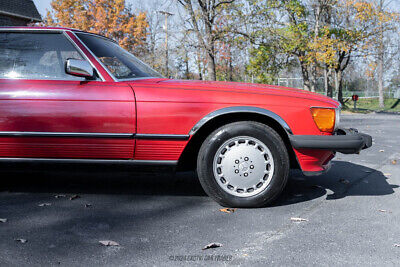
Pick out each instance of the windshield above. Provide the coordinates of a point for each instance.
(122, 64)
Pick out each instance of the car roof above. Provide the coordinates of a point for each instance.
(45, 28)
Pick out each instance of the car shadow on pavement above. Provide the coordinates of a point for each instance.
(344, 179)
(96, 179)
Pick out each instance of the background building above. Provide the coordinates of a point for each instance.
(18, 13)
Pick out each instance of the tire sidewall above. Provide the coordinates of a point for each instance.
(264, 134)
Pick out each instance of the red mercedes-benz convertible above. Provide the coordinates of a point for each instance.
(68, 95)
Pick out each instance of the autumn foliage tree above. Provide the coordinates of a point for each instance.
(356, 27)
(111, 18)
(319, 34)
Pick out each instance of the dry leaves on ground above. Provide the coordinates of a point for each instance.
(109, 243)
(74, 197)
(228, 210)
(21, 240)
(381, 150)
(212, 245)
(388, 211)
(297, 219)
(88, 205)
(394, 162)
(316, 186)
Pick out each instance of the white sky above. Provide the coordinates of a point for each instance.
(42, 5)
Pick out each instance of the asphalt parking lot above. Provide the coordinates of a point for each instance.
(351, 214)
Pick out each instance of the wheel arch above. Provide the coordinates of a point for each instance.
(218, 118)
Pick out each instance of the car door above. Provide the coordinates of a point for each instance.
(46, 113)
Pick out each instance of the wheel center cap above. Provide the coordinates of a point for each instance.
(244, 166)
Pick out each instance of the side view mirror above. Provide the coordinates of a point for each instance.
(80, 68)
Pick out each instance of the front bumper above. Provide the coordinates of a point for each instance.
(346, 141)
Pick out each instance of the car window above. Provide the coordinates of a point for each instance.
(118, 61)
(35, 56)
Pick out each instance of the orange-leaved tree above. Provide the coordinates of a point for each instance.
(111, 18)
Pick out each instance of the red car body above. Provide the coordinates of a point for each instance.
(151, 120)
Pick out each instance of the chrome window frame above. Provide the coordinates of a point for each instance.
(46, 30)
(83, 54)
(93, 55)
(103, 66)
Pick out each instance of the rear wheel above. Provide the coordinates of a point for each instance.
(243, 164)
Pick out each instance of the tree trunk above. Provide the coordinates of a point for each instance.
(187, 74)
(230, 69)
(339, 85)
(380, 81)
(205, 40)
(313, 78)
(327, 84)
(305, 74)
(211, 74)
(380, 64)
(199, 66)
(326, 80)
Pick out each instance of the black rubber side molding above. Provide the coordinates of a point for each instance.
(347, 141)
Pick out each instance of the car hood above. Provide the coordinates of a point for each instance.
(248, 88)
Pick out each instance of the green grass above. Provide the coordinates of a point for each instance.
(365, 105)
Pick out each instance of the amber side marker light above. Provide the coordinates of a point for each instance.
(324, 118)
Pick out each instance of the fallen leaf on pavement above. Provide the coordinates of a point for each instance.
(316, 186)
(74, 197)
(212, 245)
(394, 162)
(3, 220)
(228, 210)
(296, 219)
(59, 196)
(88, 205)
(381, 150)
(44, 204)
(109, 243)
(344, 181)
(21, 240)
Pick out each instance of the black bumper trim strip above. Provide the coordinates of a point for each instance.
(348, 142)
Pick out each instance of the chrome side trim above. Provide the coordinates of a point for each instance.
(240, 109)
(59, 134)
(162, 136)
(90, 51)
(83, 54)
(96, 161)
(97, 135)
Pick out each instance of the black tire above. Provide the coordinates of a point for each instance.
(269, 137)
